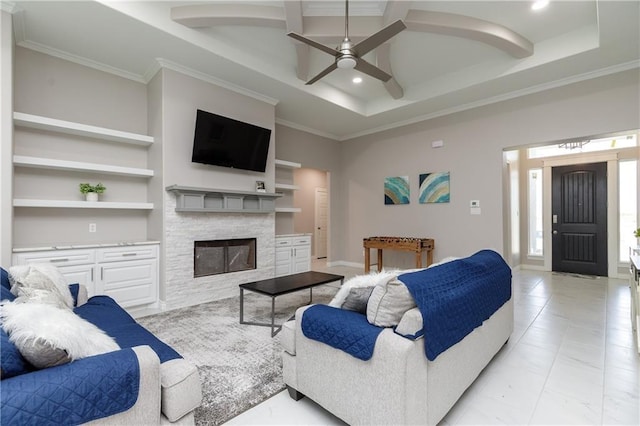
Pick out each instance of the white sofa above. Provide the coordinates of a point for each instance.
(398, 385)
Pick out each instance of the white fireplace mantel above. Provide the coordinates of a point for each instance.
(206, 200)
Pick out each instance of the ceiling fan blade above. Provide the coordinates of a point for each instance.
(375, 40)
(373, 71)
(324, 72)
(326, 49)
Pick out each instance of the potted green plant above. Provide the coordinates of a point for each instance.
(637, 234)
(91, 191)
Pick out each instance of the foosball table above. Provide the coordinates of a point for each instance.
(416, 245)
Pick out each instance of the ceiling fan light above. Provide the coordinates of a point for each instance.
(346, 62)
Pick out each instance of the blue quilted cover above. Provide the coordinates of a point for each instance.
(84, 390)
(348, 331)
(106, 314)
(456, 297)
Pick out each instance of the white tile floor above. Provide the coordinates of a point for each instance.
(570, 360)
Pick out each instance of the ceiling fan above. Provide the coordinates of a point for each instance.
(348, 55)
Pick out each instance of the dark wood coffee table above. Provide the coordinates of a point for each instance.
(278, 286)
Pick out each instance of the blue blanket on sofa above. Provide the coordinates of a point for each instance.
(348, 331)
(456, 297)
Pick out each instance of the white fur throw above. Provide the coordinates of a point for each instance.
(40, 276)
(360, 281)
(47, 336)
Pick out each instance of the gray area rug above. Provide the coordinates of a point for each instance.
(239, 365)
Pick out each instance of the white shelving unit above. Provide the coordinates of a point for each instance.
(21, 119)
(28, 202)
(30, 121)
(287, 186)
(287, 164)
(288, 210)
(52, 164)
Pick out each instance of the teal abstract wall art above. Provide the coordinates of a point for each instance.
(434, 188)
(396, 190)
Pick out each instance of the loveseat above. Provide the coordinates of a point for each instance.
(402, 379)
(143, 382)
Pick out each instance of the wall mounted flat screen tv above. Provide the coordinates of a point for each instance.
(223, 141)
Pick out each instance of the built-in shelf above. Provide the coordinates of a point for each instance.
(287, 164)
(283, 186)
(28, 202)
(286, 186)
(48, 163)
(21, 119)
(209, 200)
(288, 210)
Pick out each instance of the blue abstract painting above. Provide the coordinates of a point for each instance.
(434, 188)
(396, 190)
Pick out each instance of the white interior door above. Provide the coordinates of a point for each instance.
(320, 234)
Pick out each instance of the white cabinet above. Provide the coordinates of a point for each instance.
(293, 254)
(129, 273)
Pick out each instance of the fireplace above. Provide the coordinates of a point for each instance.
(223, 256)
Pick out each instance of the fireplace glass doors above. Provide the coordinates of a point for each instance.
(223, 256)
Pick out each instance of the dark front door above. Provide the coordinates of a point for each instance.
(579, 219)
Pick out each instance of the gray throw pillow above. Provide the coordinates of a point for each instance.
(357, 299)
(388, 303)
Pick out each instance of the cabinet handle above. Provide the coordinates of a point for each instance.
(129, 254)
(101, 273)
(59, 259)
(91, 274)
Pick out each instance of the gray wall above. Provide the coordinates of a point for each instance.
(181, 96)
(474, 141)
(55, 88)
(320, 153)
(6, 138)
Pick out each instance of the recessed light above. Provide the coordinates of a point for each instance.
(357, 80)
(539, 4)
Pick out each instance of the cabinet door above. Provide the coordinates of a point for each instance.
(81, 274)
(302, 259)
(283, 261)
(130, 283)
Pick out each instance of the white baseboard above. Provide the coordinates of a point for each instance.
(345, 263)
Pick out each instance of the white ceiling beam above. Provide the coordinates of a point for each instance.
(303, 56)
(396, 9)
(293, 16)
(294, 23)
(470, 28)
(209, 15)
(384, 63)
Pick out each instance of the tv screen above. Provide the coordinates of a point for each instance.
(223, 141)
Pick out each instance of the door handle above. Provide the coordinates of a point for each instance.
(555, 232)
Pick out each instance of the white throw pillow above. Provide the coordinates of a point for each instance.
(40, 276)
(388, 303)
(47, 336)
(360, 281)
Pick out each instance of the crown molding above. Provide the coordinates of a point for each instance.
(48, 50)
(307, 129)
(626, 66)
(164, 63)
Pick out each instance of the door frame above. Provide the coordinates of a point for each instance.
(612, 205)
(315, 222)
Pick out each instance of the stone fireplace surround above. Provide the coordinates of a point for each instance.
(183, 228)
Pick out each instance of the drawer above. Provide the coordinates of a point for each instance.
(118, 254)
(301, 241)
(283, 242)
(56, 257)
